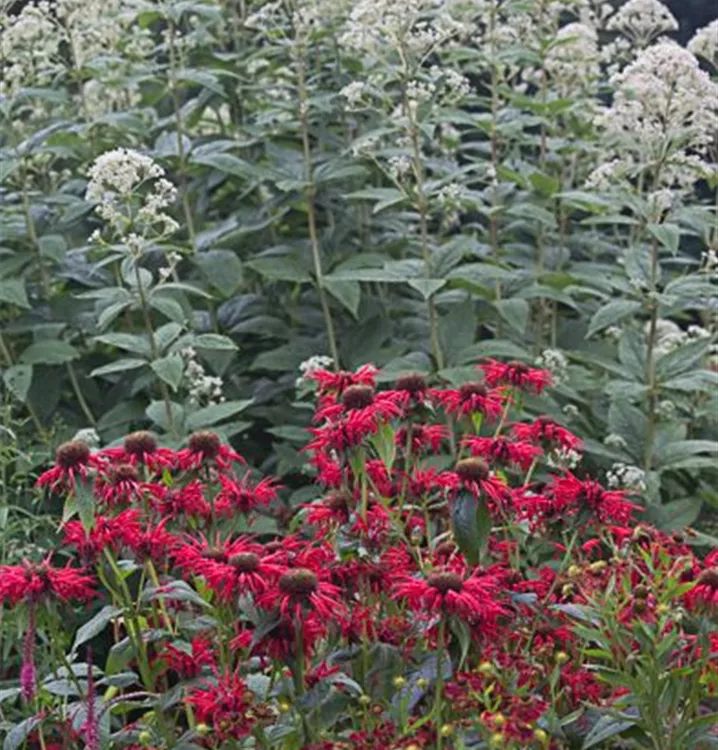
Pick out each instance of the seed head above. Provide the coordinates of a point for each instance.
(445, 581)
(205, 442)
(72, 454)
(140, 443)
(299, 583)
(412, 382)
(358, 397)
(244, 562)
(472, 469)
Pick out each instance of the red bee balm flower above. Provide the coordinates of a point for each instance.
(227, 706)
(503, 451)
(445, 591)
(141, 448)
(206, 448)
(608, 505)
(31, 583)
(72, 460)
(516, 374)
(547, 433)
(300, 589)
(470, 398)
(704, 595)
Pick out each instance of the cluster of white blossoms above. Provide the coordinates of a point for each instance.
(705, 43)
(664, 110)
(376, 27)
(311, 365)
(670, 336)
(625, 476)
(564, 458)
(612, 440)
(555, 362)
(573, 61)
(118, 176)
(46, 37)
(642, 21)
(203, 389)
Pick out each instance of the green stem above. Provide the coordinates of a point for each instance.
(78, 393)
(439, 686)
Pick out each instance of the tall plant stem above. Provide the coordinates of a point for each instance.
(309, 195)
(439, 686)
(32, 235)
(78, 393)
(651, 363)
(153, 344)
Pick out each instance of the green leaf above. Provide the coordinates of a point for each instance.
(18, 379)
(610, 314)
(50, 352)
(544, 184)
(214, 341)
(669, 235)
(169, 369)
(427, 287)
(222, 269)
(85, 503)
(385, 445)
(346, 292)
(515, 312)
(605, 728)
(119, 366)
(20, 732)
(131, 342)
(203, 78)
(471, 523)
(280, 268)
(157, 412)
(631, 424)
(12, 291)
(95, 625)
(210, 415)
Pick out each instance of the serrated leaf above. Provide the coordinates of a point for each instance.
(214, 341)
(157, 412)
(85, 503)
(427, 287)
(170, 369)
(610, 314)
(210, 415)
(12, 292)
(119, 366)
(348, 293)
(18, 380)
(50, 352)
(222, 269)
(95, 625)
(127, 341)
(669, 235)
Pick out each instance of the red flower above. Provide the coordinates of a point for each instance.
(188, 501)
(242, 496)
(244, 569)
(31, 583)
(141, 448)
(704, 595)
(120, 485)
(206, 449)
(473, 474)
(332, 510)
(298, 590)
(226, 705)
(150, 543)
(470, 398)
(188, 662)
(545, 432)
(503, 451)
(410, 390)
(447, 591)
(72, 460)
(421, 438)
(107, 533)
(607, 505)
(195, 554)
(516, 374)
(335, 383)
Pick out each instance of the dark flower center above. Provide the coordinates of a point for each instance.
(299, 583)
(412, 382)
(214, 553)
(140, 443)
(709, 578)
(519, 368)
(245, 562)
(338, 501)
(72, 454)
(472, 469)
(124, 473)
(445, 549)
(358, 397)
(467, 390)
(205, 442)
(445, 581)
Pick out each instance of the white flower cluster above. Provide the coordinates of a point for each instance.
(670, 336)
(573, 61)
(555, 362)
(709, 262)
(399, 167)
(705, 43)
(664, 109)
(642, 20)
(563, 458)
(627, 477)
(89, 436)
(354, 93)
(612, 440)
(375, 27)
(204, 389)
(117, 176)
(311, 365)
